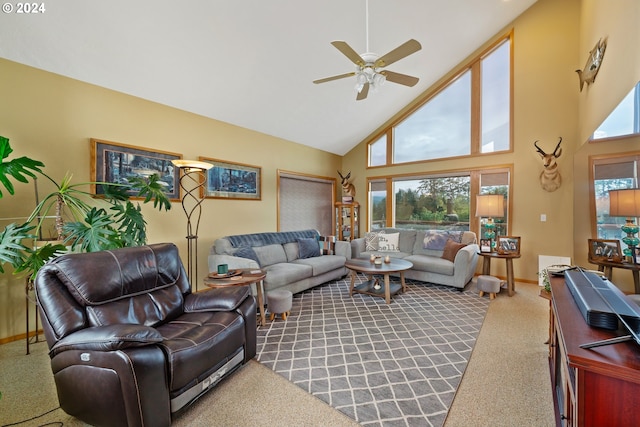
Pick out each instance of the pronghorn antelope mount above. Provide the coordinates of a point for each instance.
(550, 178)
(348, 189)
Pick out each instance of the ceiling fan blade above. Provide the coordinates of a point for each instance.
(363, 93)
(406, 49)
(328, 79)
(402, 79)
(348, 52)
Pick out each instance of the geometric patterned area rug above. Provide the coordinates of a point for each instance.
(382, 365)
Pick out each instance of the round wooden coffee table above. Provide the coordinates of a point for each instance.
(245, 277)
(372, 286)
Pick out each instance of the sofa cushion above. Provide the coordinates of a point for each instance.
(308, 248)
(323, 264)
(451, 248)
(431, 264)
(291, 250)
(270, 254)
(286, 272)
(388, 242)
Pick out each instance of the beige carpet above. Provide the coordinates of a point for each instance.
(506, 382)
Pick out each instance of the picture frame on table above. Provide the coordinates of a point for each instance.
(117, 163)
(485, 245)
(605, 250)
(229, 180)
(508, 245)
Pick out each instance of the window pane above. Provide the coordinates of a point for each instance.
(623, 120)
(500, 222)
(495, 95)
(377, 204)
(616, 174)
(432, 203)
(440, 128)
(378, 152)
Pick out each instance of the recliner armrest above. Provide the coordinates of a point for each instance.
(108, 338)
(217, 299)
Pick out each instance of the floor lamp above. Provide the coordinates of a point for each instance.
(193, 178)
(489, 206)
(626, 203)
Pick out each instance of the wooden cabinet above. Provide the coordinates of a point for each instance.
(591, 387)
(347, 221)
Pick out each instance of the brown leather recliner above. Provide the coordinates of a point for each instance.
(130, 345)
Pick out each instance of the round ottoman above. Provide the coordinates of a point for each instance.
(279, 302)
(488, 284)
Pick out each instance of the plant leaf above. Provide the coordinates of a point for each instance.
(152, 189)
(95, 234)
(12, 250)
(131, 224)
(35, 259)
(19, 169)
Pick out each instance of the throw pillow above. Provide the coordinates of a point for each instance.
(451, 248)
(327, 245)
(308, 248)
(371, 240)
(388, 242)
(247, 252)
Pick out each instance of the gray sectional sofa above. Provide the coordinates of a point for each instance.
(425, 249)
(292, 260)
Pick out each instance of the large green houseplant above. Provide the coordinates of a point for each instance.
(80, 223)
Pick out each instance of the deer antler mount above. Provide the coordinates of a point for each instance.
(550, 178)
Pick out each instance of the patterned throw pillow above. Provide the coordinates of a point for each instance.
(388, 242)
(371, 240)
(327, 245)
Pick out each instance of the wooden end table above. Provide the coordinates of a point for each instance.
(371, 286)
(486, 267)
(246, 277)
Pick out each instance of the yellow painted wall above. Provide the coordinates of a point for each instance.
(51, 118)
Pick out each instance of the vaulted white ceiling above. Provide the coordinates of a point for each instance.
(252, 62)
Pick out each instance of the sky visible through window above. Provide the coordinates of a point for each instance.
(624, 119)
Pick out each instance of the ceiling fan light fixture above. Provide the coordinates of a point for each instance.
(378, 80)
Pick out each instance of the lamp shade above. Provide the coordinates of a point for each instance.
(625, 202)
(191, 164)
(490, 205)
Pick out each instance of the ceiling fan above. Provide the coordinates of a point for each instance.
(368, 65)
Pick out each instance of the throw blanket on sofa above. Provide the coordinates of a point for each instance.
(264, 239)
(436, 239)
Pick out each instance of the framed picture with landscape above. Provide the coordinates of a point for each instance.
(604, 250)
(227, 180)
(118, 163)
(508, 245)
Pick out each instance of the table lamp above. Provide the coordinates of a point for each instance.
(490, 206)
(626, 203)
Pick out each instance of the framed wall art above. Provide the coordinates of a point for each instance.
(118, 163)
(604, 250)
(508, 245)
(227, 180)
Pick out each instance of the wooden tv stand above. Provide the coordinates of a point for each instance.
(591, 387)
